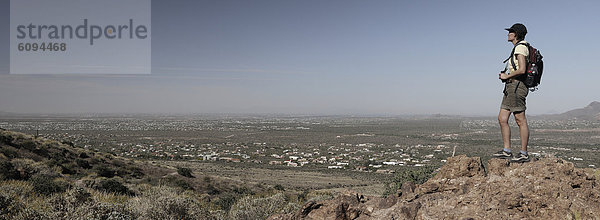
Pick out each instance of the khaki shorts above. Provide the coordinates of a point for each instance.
(515, 93)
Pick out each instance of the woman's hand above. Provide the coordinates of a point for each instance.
(503, 76)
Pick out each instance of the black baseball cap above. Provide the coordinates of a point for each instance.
(517, 28)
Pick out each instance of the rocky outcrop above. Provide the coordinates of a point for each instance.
(548, 188)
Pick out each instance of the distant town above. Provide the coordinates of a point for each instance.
(365, 144)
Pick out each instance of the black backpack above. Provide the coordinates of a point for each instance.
(534, 67)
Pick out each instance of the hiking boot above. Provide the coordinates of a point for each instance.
(502, 154)
(520, 158)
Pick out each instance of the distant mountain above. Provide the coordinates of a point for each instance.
(590, 113)
(9, 114)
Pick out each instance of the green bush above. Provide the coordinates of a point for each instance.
(318, 196)
(251, 207)
(417, 176)
(113, 186)
(83, 163)
(25, 168)
(183, 184)
(68, 143)
(279, 187)
(174, 181)
(27, 144)
(46, 185)
(136, 172)
(10, 153)
(78, 195)
(226, 200)
(243, 190)
(6, 138)
(83, 155)
(57, 158)
(8, 171)
(102, 210)
(105, 171)
(163, 202)
(212, 190)
(67, 169)
(187, 172)
(16, 188)
(5, 204)
(122, 172)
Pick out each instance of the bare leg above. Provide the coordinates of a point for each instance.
(504, 128)
(523, 129)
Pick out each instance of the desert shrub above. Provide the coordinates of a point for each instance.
(177, 182)
(417, 176)
(279, 187)
(83, 163)
(27, 144)
(69, 168)
(95, 210)
(83, 155)
(36, 148)
(212, 190)
(9, 205)
(27, 213)
(8, 171)
(5, 203)
(107, 211)
(226, 200)
(6, 138)
(251, 207)
(136, 172)
(113, 186)
(243, 190)
(109, 197)
(301, 197)
(25, 168)
(65, 142)
(57, 158)
(97, 159)
(108, 156)
(13, 195)
(16, 188)
(9, 152)
(105, 171)
(78, 195)
(122, 172)
(46, 184)
(291, 208)
(118, 163)
(187, 172)
(318, 196)
(76, 203)
(163, 202)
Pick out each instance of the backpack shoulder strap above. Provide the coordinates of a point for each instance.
(511, 53)
(511, 57)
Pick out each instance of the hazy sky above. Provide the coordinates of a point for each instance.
(330, 57)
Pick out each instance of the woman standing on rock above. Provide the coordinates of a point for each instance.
(515, 93)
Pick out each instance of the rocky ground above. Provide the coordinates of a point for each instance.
(546, 188)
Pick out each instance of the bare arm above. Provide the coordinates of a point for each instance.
(519, 71)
